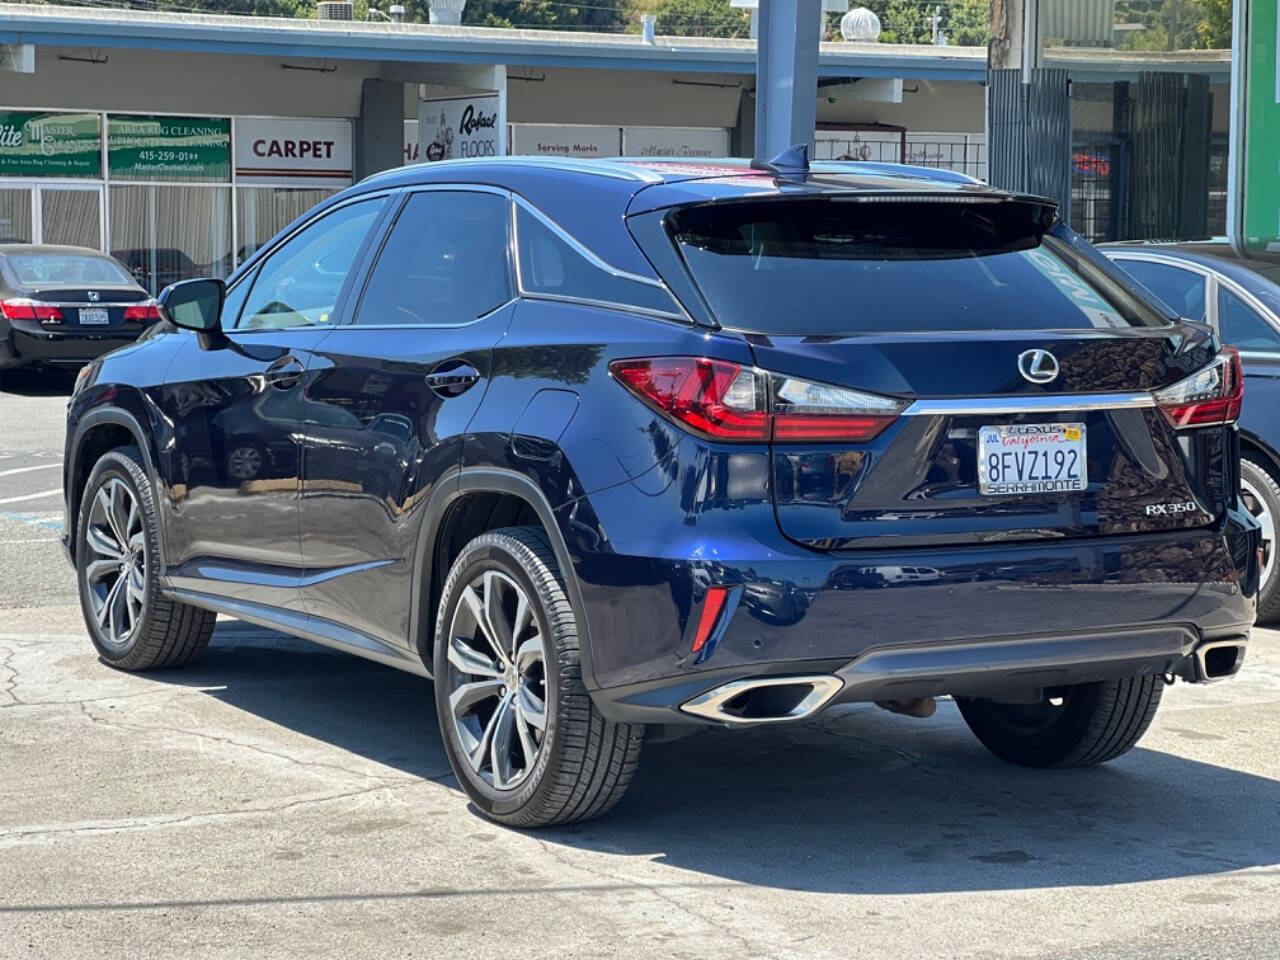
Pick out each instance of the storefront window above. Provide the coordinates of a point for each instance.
(262, 212)
(15, 216)
(164, 234)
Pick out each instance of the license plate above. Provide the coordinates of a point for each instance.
(1031, 458)
(93, 316)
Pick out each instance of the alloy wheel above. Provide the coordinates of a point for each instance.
(1253, 501)
(116, 567)
(244, 463)
(497, 680)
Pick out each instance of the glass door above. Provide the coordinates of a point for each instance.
(70, 214)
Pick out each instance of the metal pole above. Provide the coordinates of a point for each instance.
(786, 76)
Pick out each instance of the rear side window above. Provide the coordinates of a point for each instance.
(1242, 326)
(1181, 289)
(834, 266)
(445, 262)
(553, 266)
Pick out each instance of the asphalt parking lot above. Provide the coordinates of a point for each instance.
(279, 799)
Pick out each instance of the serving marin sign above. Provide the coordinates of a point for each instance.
(50, 144)
(169, 148)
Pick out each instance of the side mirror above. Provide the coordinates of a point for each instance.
(196, 305)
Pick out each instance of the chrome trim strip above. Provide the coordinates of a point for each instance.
(302, 625)
(1045, 403)
(473, 165)
(519, 202)
(606, 304)
(594, 260)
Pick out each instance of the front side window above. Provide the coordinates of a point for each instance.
(445, 262)
(299, 283)
(839, 266)
(1242, 326)
(1183, 290)
(550, 266)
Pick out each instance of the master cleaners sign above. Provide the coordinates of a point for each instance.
(301, 153)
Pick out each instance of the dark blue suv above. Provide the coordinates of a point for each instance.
(624, 449)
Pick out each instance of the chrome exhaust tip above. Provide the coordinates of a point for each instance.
(1219, 659)
(765, 699)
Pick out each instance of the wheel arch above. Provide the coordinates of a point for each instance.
(432, 561)
(98, 431)
(1270, 458)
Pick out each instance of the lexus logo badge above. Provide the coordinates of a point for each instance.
(94, 295)
(1038, 366)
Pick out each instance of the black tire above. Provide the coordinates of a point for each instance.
(1261, 494)
(1094, 723)
(165, 633)
(583, 763)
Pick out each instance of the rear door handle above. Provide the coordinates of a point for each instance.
(284, 373)
(452, 378)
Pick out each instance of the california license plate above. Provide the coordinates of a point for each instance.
(94, 316)
(1031, 458)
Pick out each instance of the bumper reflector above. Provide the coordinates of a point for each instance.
(712, 607)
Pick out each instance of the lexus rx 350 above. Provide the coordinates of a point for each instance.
(623, 449)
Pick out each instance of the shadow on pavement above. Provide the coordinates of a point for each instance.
(859, 802)
(38, 382)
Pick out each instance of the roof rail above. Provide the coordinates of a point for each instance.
(892, 170)
(599, 168)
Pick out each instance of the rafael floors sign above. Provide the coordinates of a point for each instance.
(456, 127)
(297, 153)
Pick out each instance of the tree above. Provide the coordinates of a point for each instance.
(602, 15)
(700, 18)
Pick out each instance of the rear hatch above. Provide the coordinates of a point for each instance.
(1022, 378)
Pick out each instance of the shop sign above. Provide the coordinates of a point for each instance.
(1255, 187)
(50, 144)
(279, 152)
(456, 127)
(169, 148)
(682, 142)
(556, 140)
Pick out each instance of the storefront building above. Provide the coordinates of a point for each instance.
(168, 196)
(181, 143)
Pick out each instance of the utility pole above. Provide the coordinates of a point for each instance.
(786, 76)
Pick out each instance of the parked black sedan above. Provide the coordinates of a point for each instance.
(1206, 281)
(65, 306)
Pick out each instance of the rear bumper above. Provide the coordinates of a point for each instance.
(31, 343)
(993, 619)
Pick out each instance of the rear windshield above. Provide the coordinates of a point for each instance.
(62, 269)
(839, 266)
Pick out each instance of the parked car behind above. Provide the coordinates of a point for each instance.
(621, 450)
(1207, 281)
(65, 306)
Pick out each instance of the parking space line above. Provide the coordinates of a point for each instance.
(33, 496)
(40, 466)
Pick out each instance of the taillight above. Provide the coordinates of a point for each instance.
(818, 411)
(711, 397)
(726, 401)
(21, 308)
(146, 312)
(1210, 397)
